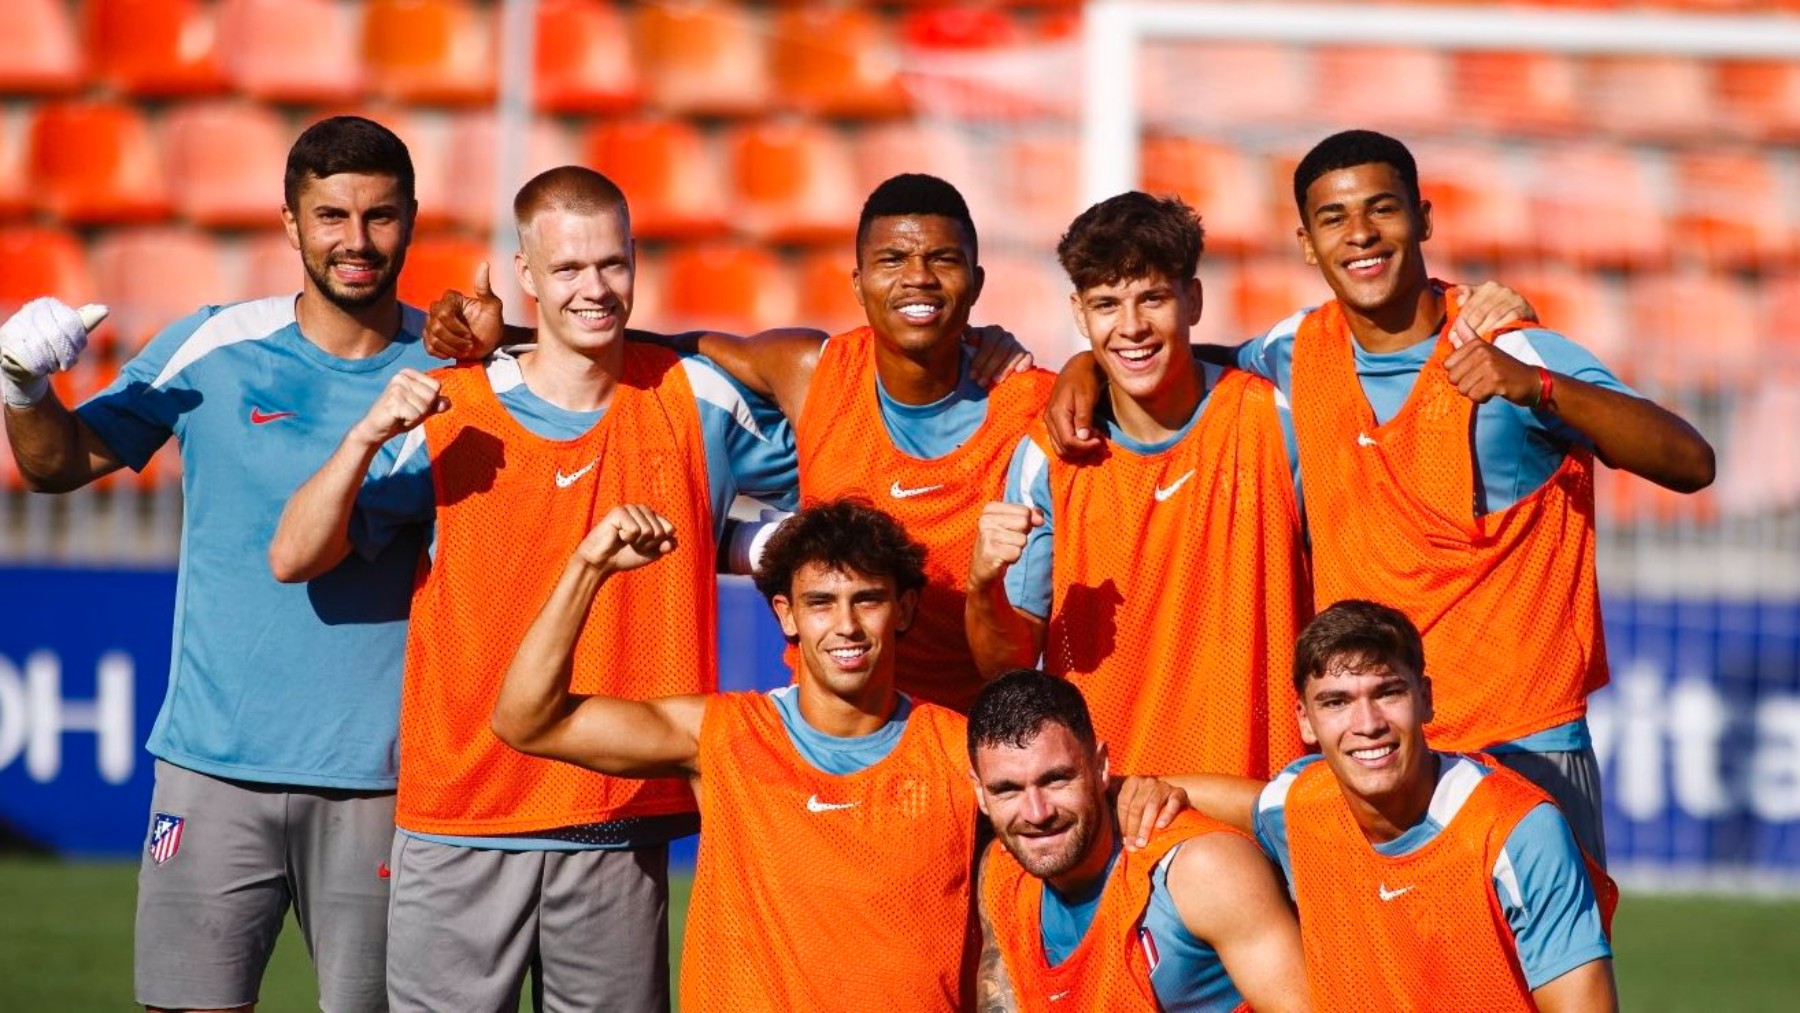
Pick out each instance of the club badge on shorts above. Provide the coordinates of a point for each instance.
(165, 836)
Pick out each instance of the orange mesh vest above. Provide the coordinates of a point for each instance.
(511, 507)
(1507, 602)
(845, 450)
(1109, 969)
(814, 891)
(1423, 931)
(1179, 588)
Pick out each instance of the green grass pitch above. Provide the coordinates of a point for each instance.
(65, 943)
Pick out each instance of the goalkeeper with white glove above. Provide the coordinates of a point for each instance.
(47, 336)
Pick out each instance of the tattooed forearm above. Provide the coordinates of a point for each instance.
(993, 987)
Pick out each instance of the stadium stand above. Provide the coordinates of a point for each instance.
(93, 161)
(585, 61)
(792, 182)
(432, 52)
(668, 172)
(291, 50)
(225, 162)
(38, 51)
(155, 48)
(704, 58)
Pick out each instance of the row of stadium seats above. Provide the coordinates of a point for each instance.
(1680, 329)
(711, 58)
(217, 163)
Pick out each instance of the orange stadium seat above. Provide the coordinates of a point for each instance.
(939, 148)
(270, 265)
(1732, 208)
(1593, 204)
(1759, 98)
(1780, 314)
(1036, 185)
(1188, 85)
(836, 61)
(792, 182)
(1028, 294)
(1478, 208)
(432, 52)
(1382, 87)
(1664, 97)
(151, 277)
(726, 286)
(474, 137)
(1516, 91)
(42, 261)
(668, 171)
(704, 57)
(584, 61)
(433, 265)
(1578, 304)
(226, 161)
(1221, 183)
(290, 50)
(38, 52)
(980, 62)
(1269, 289)
(826, 299)
(155, 47)
(1691, 329)
(94, 162)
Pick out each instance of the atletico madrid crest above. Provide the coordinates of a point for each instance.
(165, 836)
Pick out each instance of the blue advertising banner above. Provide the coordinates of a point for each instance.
(1698, 736)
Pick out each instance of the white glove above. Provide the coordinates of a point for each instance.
(46, 336)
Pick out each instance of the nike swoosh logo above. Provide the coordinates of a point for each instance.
(1365, 440)
(1387, 895)
(900, 492)
(1164, 493)
(258, 417)
(564, 481)
(813, 805)
(1060, 996)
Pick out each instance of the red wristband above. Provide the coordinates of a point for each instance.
(1546, 390)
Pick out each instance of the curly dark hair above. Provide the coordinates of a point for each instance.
(1013, 708)
(1132, 235)
(843, 534)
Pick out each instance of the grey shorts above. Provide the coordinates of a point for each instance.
(1572, 777)
(222, 862)
(466, 924)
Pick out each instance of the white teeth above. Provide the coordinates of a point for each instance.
(1365, 262)
(917, 311)
(847, 653)
(1136, 354)
(1373, 753)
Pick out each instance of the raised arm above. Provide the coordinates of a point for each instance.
(535, 712)
(1001, 637)
(56, 451)
(314, 533)
(1228, 895)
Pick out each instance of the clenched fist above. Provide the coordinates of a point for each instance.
(1000, 538)
(628, 537)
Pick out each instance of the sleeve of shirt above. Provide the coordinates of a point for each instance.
(1270, 821)
(1028, 584)
(1557, 353)
(135, 415)
(1271, 355)
(1543, 886)
(397, 493)
(749, 443)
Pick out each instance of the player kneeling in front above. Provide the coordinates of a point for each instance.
(1193, 921)
(1424, 880)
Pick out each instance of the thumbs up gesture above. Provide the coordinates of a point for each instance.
(465, 326)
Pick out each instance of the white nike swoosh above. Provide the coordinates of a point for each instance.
(1365, 440)
(1387, 895)
(898, 492)
(1164, 493)
(813, 805)
(564, 481)
(1060, 996)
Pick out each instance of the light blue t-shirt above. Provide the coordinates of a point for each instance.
(931, 431)
(1516, 449)
(294, 684)
(1185, 973)
(1028, 582)
(1540, 877)
(837, 756)
(748, 451)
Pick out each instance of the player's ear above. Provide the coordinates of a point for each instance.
(784, 614)
(1310, 255)
(908, 606)
(1196, 300)
(1306, 729)
(1424, 219)
(290, 225)
(523, 271)
(1425, 715)
(1080, 320)
(977, 278)
(980, 794)
(1103, 762)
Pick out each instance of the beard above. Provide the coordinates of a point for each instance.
(1067, 855)
(387, 275)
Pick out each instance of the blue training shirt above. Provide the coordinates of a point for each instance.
(1028, 582)
(1516, 449)
(749, 450)
(1186, 973)
(294, 684)
(830, 753)
(931, 431)
(1540, 877)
